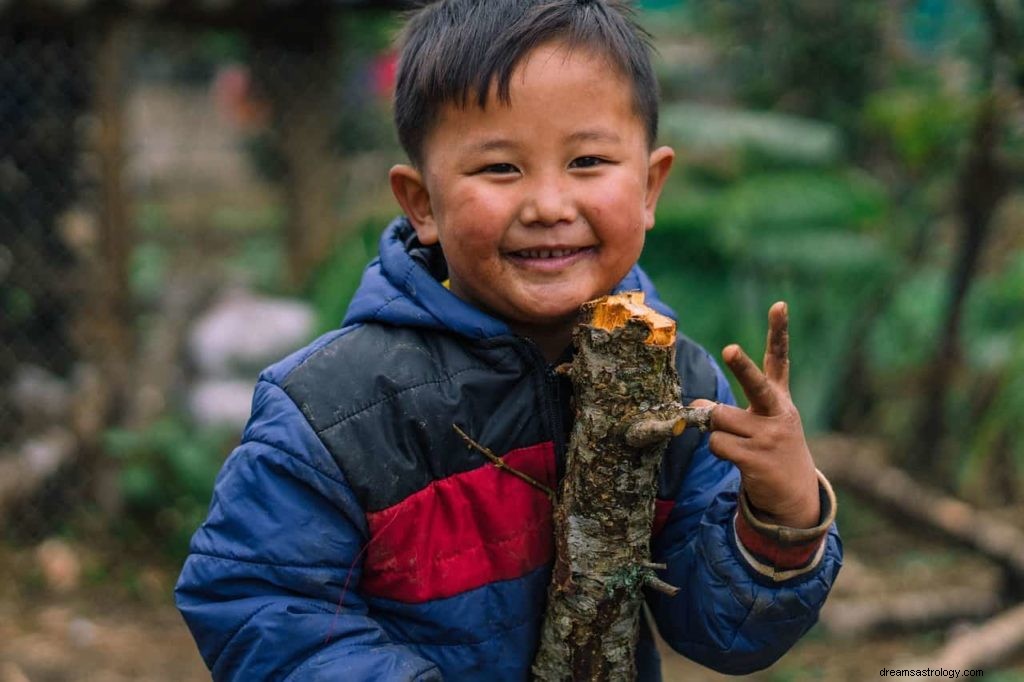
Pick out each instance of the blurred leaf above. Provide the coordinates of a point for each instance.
(703, 129)
(168, 467)
(139, 486)
(332, 286)
(800, 201)
(148, 270)
(122, 443)
(260, 260)
(923, 125)
(803, 223)
(821, 254)
(994, 314)
(905, 334)
(18, 304)
(259, 219)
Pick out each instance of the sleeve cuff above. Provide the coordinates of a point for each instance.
(781, 552)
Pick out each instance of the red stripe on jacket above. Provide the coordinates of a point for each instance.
(771, 552)
(662, 508)
(463, 532)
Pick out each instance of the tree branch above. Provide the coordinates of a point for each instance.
(500, 463)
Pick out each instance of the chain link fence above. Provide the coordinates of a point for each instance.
(169, 193)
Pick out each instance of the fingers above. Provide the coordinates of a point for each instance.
(729, 418)
(776, 349)
(759, 391)
(730, 447)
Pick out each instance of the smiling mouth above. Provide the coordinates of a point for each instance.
(548, 253)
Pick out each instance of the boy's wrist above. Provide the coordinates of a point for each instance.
(784, 551)
(804, 512)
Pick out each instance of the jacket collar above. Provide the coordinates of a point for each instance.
(403, 287)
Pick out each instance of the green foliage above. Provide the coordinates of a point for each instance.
(166, 480)
(821, 163)
(903, 336)
(922, 124)
(807, 57)
(148, 270)
(18, 304)
(770, 137)
(332, 286)
(722, 254)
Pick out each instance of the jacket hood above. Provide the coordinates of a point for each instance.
(402, 287)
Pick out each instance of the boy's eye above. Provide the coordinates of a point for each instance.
(586, 162)
(499, 168)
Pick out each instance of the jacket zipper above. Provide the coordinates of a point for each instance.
(555, 405)
(553, 402)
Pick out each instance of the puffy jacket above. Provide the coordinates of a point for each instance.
(354, 536)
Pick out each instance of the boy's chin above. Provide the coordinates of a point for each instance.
(554, 315)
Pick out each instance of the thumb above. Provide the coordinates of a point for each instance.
(702, 403)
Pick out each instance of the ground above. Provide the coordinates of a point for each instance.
(108, 630)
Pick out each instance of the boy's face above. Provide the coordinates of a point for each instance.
(543, 204)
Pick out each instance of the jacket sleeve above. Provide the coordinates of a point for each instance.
(270, 588)
(729, 616)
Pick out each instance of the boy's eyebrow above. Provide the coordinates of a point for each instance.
(587, 135)
(594, 135)
(492, 144)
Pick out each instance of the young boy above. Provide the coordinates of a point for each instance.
(354, 536)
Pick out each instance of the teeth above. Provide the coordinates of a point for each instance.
(547, 253)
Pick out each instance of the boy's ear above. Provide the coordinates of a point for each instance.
(657, 172)
(410, 191)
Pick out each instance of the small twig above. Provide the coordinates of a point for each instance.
(649, 431)
(500, 463)
(655, 583)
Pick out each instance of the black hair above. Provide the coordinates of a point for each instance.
(454, 50)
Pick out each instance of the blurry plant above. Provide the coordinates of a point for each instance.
(772, 139)
(807, 57)
(722, 252)
(911, 326)
(332, 286)
(166, 480)
(923, 125)
(994, 336)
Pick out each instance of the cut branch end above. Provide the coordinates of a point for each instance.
(649, 431)
(611, 312)
(655, 583)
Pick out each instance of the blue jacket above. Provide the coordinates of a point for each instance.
(353, 535)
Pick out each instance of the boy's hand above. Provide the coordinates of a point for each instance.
(766, 441)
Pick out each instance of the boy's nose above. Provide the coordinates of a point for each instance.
(547, 204)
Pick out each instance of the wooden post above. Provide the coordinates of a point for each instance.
(627, 391)
(105, 320)
(295, 65)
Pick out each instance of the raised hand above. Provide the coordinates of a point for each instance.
(766, 440)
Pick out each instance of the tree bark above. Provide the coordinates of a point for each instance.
(626, 390)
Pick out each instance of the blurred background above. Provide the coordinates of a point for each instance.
(190, 189)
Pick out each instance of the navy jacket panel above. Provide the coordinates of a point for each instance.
(297, 573)
(268, 588)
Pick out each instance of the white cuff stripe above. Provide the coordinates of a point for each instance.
(770, 571)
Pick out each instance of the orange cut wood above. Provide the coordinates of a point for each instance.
(612, 312)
